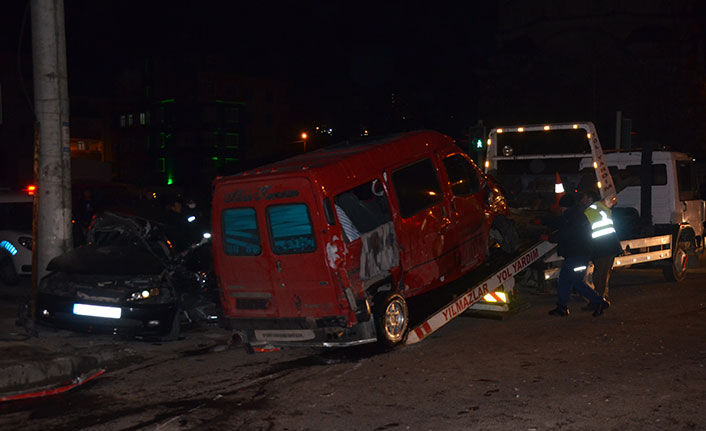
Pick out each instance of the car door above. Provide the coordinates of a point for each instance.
(423, 226)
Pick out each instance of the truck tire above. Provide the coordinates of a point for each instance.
(8, 276)
(391, 319)
(676, 269)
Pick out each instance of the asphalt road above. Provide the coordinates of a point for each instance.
(640, 366)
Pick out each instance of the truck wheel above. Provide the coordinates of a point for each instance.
(502, 238)
(676, 270)
(391, 319)
(8, 276)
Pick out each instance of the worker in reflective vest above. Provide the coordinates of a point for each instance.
(605, 243)
(574, 243)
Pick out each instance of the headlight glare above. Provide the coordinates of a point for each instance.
(143, 294)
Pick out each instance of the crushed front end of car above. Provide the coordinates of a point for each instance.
(126, 281)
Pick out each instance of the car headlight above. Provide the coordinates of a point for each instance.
(143, 294)
(25, 242)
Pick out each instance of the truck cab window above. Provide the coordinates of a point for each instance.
(240, 234)
(688, 186)
(417, 187)
(463, 178)
(630, 176)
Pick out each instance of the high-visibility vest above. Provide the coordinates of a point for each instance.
(599, 216)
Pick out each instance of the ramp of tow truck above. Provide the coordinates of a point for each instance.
(474, 291)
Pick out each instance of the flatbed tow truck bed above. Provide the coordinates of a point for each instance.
(431, 311)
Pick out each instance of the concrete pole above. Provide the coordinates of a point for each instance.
(51, 105)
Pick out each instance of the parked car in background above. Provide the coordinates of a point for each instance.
(15, 235)
(128, 280)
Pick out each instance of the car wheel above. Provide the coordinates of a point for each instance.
(391, 319)
(676, 270)
(8, 275)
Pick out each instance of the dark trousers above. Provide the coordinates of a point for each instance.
(571, 275)
(601, 274)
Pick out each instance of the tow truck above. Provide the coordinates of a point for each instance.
(680, 228)
(495, 291)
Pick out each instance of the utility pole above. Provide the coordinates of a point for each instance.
(53, 234)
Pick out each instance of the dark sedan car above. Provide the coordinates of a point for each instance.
(128, 280)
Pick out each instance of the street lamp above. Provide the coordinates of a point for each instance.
(304, 136)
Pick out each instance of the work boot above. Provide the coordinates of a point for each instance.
(559, 311)
(592, 307)
(600, 307)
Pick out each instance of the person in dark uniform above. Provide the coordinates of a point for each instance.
(177, 226)
(574, 245)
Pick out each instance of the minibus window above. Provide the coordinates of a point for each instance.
(417, 187)
(462, 176)
(240, 234)
(362, 209)
(328, 211)
(290, 228)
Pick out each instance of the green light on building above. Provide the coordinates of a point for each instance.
(166, 101)
(170, 179)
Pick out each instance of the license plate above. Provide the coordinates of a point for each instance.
(97, 311)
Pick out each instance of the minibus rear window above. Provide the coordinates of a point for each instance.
(240, 234)
(290, 229)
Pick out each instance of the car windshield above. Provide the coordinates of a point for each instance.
(16, 216)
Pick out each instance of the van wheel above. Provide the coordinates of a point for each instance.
(391, 319)
(8, 276)
(503, 238)
(676, 270)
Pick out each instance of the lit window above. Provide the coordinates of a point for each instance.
(122, 121)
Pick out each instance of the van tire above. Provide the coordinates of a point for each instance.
(391, 319)
(676, 269)
(8, 275)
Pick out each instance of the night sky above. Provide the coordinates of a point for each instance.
(341, 58)
(445, 64)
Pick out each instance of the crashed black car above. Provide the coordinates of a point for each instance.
(128, 280)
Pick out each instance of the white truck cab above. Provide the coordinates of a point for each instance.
(660, 218)
(676, 204)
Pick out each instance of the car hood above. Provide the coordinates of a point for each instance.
(107, 260)
(117, 244)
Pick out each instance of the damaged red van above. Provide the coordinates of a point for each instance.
(325, 248)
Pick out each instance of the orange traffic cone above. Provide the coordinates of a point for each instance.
(558, 192)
